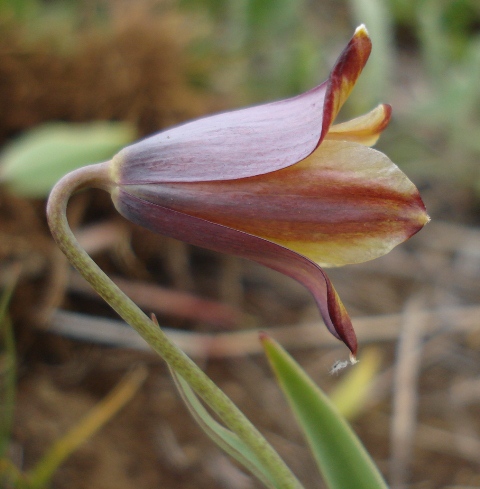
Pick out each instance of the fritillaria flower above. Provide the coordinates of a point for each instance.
(278, 184)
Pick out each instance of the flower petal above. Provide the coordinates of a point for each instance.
(219, 238)
(232, 145)
(246, 142)
(344, 75)
(345, 203)
(365, 129)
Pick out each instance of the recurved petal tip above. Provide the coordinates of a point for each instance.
(361, 30)
(247, 142)
(340, 319)
(365, 129)
(345, 73)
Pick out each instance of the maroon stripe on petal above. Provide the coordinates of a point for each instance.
(216, 237)
(344, 75)
(247, 142)
(345, 194)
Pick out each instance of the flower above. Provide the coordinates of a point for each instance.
(278, 184)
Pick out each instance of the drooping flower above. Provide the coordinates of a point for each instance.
(278, 184)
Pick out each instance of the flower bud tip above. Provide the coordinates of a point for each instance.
(361, 30)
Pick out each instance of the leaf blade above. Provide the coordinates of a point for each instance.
(338, 452)
(34, 162)
(223, 437)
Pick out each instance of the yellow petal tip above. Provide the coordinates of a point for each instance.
(361, 30)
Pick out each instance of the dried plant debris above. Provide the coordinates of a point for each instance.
(132, 67)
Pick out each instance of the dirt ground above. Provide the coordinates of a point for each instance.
(418, 307)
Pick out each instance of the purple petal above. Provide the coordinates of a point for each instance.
(216, 237)
(231, 145)
(246, 142)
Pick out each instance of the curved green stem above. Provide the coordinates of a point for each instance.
(98, 176)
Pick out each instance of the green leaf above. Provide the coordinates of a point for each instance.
(341, 458)
(33, 163)
(224, 438)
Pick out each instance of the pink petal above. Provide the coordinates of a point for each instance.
(246, 142)
(216, 237)
(231, 145)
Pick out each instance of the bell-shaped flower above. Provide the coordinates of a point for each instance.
(278, 184)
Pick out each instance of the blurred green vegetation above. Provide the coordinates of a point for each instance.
(438, 57)
(8, 371)
(425, 62)
(31, 164)
(271, 47)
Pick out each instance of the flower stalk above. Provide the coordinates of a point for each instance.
(227, 411)
(278, 184)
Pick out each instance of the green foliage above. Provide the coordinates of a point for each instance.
(31, 164)
(373, 86)
(438, 130)
(268, 48)
(18, 9)
(339, 453)
(340, 456)
(227, 440)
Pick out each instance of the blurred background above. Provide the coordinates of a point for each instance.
(125, 69)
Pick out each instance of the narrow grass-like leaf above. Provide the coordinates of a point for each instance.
(433, 41)
(43, 472)
(7, 367)
(374, 84)
(7, 383)
(341, 458)
(224, 438)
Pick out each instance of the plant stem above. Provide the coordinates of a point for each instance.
(98, 176)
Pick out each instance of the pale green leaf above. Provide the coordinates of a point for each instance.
(224, 438)
(341, 458)
(31, 164)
